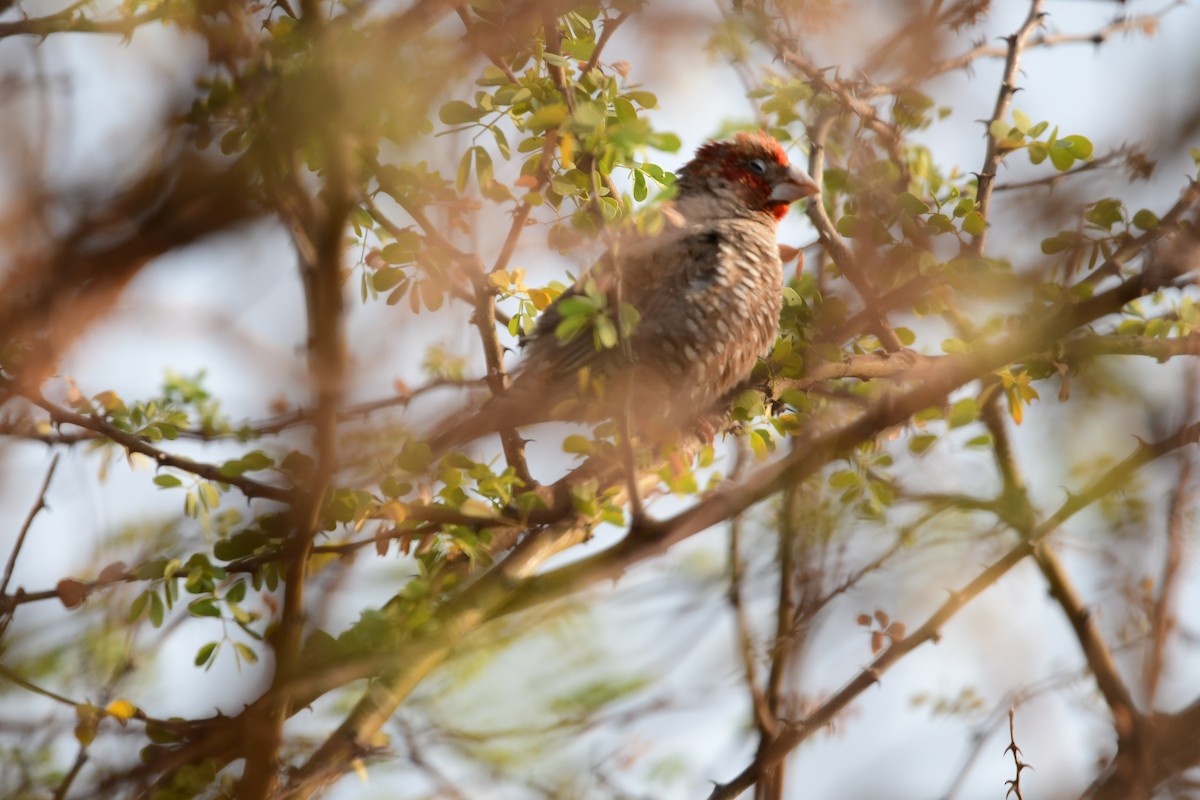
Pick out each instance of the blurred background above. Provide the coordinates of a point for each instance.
(173, 178)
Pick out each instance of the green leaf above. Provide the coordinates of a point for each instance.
(912, 204)
(1058, 243)
(209, 495)
(203, 607)
(954, 346)
(849, 226)
(906, 336)
(919, 444)
(578, 304)
(206, 653)
(464, 171)
(414, 457)
(605, 332)
(236, 593)
(545, 118)
(403, 249)
(1021, 121)
(1061, 158)
(156, 610)
(1078, 146)
(843, 479)
(246, 653)
(483, 167)
(1145, 219)
(139, 605)
(1037, 152)
(667, 142)
(973, 223)
(456, 112)
(257, 460)
(963, 412)
(167, 481)
(644, 99)
(626, 113)
(570, 327)
(386, 278)
(639, 185)
(577, 444)
(1106, 213)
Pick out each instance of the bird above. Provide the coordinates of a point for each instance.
(664, 326)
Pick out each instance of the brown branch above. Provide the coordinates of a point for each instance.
(483, 43)
(135, 444)
(1086, 347)
(64, 786)
(68, 21)
(1051, 181)
(485, 297)
(798, 732)
(49, 298)
(847, 96)
(1021, 515)
(38, 505)
(763, 718)
(13, 678)
(1147, 23)
(1161, 620)
(610, 27)
(456, 619)
(430, 230)
(909, 293)
(1130, 248)
(1014, 785)
(979, 735)
(511, 586)
(819, 443)
(836, 246)
(326, 366)
(771, 784)
(993, 156)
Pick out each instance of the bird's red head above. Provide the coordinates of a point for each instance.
(751, 167)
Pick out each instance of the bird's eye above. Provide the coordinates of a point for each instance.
(757, 166)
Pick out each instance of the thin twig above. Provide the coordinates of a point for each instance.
(610, 27)
(1014, 785)
(135, 444)
(1050, 181)
(763, 719)
(38, 505)
(1021, 515)
(797, 732)
(836, 246)
(64, 786)
(1161, 619)
(1008, 87)
(1146, 23)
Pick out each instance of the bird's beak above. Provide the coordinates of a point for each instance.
(795, 185)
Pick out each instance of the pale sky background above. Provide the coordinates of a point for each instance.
(243, 289)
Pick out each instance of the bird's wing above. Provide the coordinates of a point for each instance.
(658, 276)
